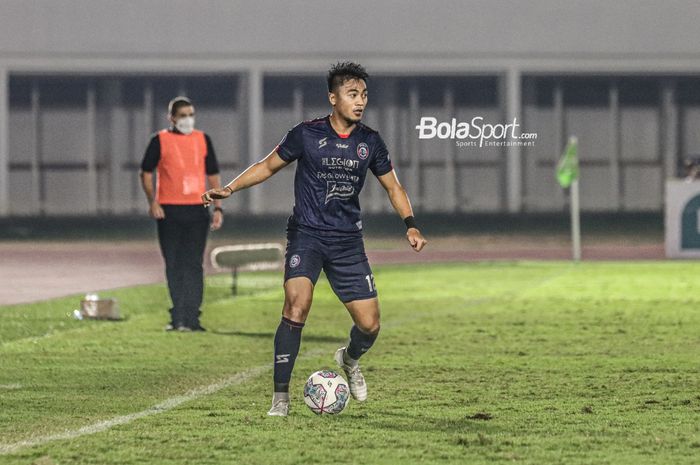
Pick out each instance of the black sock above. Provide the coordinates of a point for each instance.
(360, 342)
(287, 342)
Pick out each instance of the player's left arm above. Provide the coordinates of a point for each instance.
(401, 203)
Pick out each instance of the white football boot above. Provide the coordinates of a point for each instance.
(358, 386)
(280, 406)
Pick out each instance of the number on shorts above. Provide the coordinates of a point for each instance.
(370, 282)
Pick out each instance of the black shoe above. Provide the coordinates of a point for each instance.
(198, 327)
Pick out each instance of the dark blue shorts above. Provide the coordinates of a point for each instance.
(343, 259)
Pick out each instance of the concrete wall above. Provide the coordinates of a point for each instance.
(473, 28)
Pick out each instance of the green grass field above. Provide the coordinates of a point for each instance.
(529, 363)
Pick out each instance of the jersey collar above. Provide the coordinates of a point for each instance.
(340, 136)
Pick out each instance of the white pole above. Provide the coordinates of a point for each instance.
(575, 222)
(514, 168)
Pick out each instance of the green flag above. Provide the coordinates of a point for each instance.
(567, 168)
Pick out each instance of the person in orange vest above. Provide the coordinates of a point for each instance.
(184, 161)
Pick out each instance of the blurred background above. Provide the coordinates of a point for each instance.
(83, 83)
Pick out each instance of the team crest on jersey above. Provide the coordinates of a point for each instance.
(294, 261)
(362, 150)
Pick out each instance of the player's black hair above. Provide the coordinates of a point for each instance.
(178, 102)
(345, 71)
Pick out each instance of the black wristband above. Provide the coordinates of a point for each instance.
(410, 222)
(218, 209)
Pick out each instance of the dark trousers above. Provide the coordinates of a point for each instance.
(182, 235)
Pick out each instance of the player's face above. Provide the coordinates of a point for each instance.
(349, 100)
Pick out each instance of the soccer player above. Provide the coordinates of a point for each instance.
(333, 155)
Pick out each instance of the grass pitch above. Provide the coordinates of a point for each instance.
(530, 363)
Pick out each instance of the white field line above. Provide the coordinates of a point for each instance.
(11, 386)
(169, 404)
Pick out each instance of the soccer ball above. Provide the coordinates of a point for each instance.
(326, 392)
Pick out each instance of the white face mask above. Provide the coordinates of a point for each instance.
(185, 125)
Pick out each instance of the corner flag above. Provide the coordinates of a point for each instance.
(567, 175)
(567, 168)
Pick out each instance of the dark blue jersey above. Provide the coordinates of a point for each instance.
(330, 173)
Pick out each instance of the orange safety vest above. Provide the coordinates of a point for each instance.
(181, 176)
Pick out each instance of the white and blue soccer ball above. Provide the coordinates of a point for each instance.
(326, 392)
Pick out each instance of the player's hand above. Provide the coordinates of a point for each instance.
(215, 194)
(156, 211)
(416, 239)
(217, 220)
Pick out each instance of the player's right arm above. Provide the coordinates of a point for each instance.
(254, 174)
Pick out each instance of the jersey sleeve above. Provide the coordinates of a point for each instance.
(380, 164)
(291, 147)
(152, 156)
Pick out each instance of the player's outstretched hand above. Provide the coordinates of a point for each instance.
(416, 239)
(215, 194)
